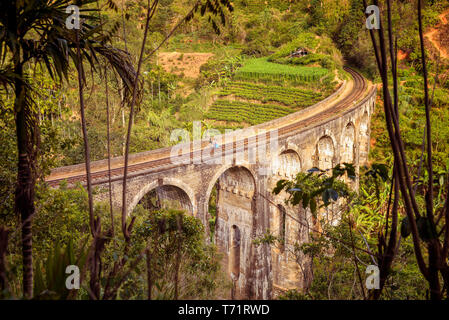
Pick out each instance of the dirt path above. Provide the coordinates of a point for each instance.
(434, 35)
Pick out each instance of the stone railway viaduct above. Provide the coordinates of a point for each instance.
(244, 169)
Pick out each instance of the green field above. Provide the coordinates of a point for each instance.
(252, 113)
(261, 69)
(289, 96)
(261, 91)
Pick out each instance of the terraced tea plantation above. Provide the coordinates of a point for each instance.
(289, 96)
(261, 91)
(262, 70)
(252, 113)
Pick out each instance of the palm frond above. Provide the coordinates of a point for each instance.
(121, 62)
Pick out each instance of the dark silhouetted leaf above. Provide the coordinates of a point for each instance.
(425, 230)
(406, 228)
(333, 194)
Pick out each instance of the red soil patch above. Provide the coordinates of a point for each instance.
(187, 64)
(402, 55)
(438, 36)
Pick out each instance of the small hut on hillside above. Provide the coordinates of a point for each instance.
(298, 53)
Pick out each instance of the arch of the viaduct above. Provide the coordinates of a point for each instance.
(259, 273)
(348, 142)
(185, 188)
(237, 212)
(288, 164)
(219, 172)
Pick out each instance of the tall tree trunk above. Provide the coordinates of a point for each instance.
(93, 222)
(24, 195)
(108, 136)
(108, 129)
(150, 12)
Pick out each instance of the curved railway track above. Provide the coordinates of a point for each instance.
(357, 93)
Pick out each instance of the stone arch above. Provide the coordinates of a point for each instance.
(170, 189)
(348, 144)
(288, 164)
(325, 153)
(289, 146)
(236, 210)
(215, 178)
(364, 138)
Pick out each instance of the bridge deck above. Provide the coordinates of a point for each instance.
(344, 100)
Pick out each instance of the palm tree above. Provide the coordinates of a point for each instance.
(34, 32)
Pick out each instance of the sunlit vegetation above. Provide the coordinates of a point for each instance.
(262, 70)
(251, 113)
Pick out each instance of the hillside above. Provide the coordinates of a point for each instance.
(438, 35)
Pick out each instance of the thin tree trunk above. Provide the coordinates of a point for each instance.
(150, 12)
(108, 129)
(437, 255)
(159, 80)
(94, 224)
(85, 137)
(111, 212)
(433, 245)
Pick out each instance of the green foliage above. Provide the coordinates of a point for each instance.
(280, 85)
(309, 189)
(267, 238)
(50, 276)
(212, 212)
(293, 294)
(177, 245)
(334, 271)
(320, 50)
(305, 40)
(8, 167)
(62, 216)
(218, 71)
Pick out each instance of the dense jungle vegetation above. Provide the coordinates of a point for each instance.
(231, 69)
